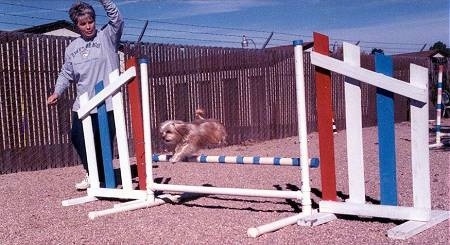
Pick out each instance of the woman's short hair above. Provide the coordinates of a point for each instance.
(79, 9)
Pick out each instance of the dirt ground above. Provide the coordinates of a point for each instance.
(31, 210)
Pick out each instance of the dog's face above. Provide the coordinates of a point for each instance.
(172, 132)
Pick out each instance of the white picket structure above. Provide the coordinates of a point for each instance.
(419, 216)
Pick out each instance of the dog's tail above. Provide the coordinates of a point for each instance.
(200, 114)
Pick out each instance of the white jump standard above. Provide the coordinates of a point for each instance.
(144, 199)
(419, 216)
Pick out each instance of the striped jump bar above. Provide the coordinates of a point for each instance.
(256, 160)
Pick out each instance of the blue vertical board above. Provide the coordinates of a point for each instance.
(386, 135)
(103, 126)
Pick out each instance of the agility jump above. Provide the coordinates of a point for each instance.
(419, 216)
(145, 197)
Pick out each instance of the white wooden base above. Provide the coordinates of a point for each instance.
(117, 193)
(417, 221)
(411, 228)
(372, 210)
(118, 205)
(436, 145)
(316, 219)
(78, 200)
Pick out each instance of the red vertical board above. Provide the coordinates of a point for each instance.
(324, 121)
(134, 97)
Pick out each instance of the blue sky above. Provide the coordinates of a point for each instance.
(396, 26)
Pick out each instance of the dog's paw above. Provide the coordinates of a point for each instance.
(175, 158)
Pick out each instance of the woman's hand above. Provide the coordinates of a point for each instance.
(52, 99)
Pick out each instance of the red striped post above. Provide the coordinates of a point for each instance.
(324, 121)
(134, 97)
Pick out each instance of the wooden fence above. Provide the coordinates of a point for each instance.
(251, 91)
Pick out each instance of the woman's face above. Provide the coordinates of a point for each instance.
(86, 26)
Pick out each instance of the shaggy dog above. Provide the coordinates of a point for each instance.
(184, 139)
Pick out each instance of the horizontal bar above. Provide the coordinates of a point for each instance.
(106, 92)
(376, 79)
(228, 191)
(256, 160)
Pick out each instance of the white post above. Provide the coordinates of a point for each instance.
(121, 134)
(147, 127)
(353, 115)
(90, 145)
(420, 153)
(304, 159)
(302, 128)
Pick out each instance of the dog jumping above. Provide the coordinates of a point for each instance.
(184, 139)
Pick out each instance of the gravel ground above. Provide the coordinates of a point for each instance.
(32, 212)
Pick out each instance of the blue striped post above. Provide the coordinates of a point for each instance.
(254, 160)
(386, 135)
(439, 108)
(439, 105)
(110, 181)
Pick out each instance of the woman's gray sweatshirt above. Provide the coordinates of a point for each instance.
(87, 62)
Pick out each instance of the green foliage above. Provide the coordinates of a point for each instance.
(440, 46)
(377, 51)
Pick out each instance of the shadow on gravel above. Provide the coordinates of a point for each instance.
(369, 219)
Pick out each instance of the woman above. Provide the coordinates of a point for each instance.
(89, 59)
